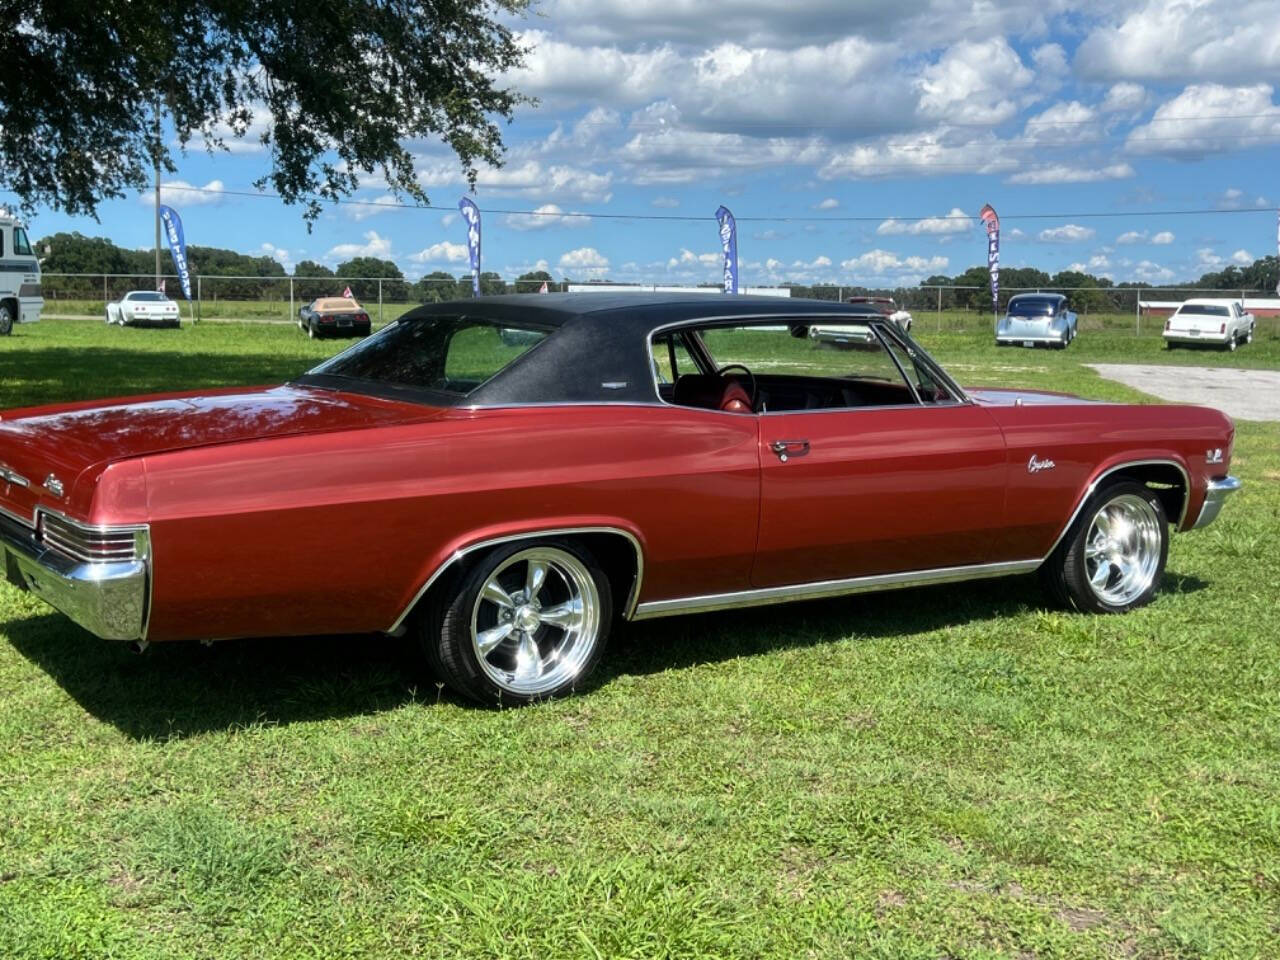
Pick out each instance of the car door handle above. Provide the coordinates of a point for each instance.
(789, 448)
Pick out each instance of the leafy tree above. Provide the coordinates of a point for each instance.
(307, 290)
(334, 89)
(374, 267)
(490, 284)
(435, 287)
(532, 282)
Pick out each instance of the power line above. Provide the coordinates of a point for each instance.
(1068, 215)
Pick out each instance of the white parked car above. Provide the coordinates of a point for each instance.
(144, 308)
(1223, 323)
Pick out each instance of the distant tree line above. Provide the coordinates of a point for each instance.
(76, 253)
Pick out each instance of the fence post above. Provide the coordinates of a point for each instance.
(379, 300)
(939, 309)
(104, 293)
(290, 317)
(1137, 313)
(199, 299)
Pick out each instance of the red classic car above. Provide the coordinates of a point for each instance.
(506, 477)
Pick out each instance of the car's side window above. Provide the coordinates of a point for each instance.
(777, 367)
(671, 358)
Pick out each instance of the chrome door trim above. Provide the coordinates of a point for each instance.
(1093, 486)
(828, 588)
(461, 552)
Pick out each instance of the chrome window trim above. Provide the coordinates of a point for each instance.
(462, 552)
(762, 596)
(1093, 486)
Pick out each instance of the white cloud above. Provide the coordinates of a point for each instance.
(1177, 41)
(1233, 198)
(442, 252)
(1132, 236)
(1067, 233)
(529, 178)
(1062, 173)
(371, 207)
(665, 203)
(1209, 118)
(1206, 259)
(374, 245)
(547, 215)
(687, 258)
(937, 152)
(180, 193)
(244, 136)
(1163, 238)
(880, 263)
(584, 261)
(1066, 122)
(277, 253)
(957, 221)
(1148, 271)
(974, 82)
(830, 203)
(1242, 258)
(448, 219)
(1124, 97)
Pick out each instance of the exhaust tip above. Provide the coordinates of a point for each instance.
(139, 646)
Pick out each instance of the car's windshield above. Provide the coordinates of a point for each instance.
(1204, 310)
(441, 354)
(147, 295)
(1032, 307)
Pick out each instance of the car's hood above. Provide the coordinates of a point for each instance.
(69, 440)
(1007, 398)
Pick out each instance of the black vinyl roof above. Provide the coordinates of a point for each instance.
(599, 352)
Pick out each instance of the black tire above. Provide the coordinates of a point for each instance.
(446, 636)
(1170, 345)
(1066, 573)
(6, 320)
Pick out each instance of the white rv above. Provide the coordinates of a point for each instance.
(20, 298)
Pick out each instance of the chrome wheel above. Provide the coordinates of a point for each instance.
(1122, 550)
(536, 621)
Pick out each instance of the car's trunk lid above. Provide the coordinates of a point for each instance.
(64, 441)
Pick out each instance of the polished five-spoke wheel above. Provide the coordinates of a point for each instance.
(1122, 550)
(528, 621)
(1113, 557)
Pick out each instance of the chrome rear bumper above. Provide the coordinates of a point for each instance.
(1214, 497)
(109, 599)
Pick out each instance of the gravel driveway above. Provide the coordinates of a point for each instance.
(1242, 394)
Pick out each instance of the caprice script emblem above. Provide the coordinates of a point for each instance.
(1035, 466)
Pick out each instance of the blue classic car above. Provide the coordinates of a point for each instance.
(1032, 319)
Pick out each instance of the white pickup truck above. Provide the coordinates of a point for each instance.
(1223, 323)
(20, 297)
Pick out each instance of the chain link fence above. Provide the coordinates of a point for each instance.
(937, 307)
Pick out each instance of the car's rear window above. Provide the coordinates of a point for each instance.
(148, 295)
(1204, 310)
(450, 356)
(1032, 307)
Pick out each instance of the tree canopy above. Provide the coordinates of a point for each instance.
(333, 90)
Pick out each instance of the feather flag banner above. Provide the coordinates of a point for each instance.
(471, 213)
(992, 222)
(729, 242)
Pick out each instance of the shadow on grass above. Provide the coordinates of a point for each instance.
(178, 690)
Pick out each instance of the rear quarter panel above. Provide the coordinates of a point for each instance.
(335, 533)
(1084, 442)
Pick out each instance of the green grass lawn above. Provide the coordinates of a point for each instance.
(956, 772)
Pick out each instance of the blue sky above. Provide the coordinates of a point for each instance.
(904, 111)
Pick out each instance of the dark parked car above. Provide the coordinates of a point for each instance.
(334, 317)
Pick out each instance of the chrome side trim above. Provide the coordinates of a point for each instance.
(1186, 498)
(829, 588)
(1214, 497)
(461, 552)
